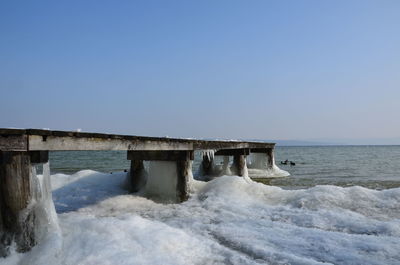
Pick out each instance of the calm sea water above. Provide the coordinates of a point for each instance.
(376, 167)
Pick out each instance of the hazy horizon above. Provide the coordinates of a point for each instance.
(297, 70)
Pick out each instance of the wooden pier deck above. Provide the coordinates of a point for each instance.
(22, 148)
(46, 140)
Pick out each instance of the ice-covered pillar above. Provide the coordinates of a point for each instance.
(270, 158)
(207, 164)
(184, 171)
(239, 159)
(183, 164)
(225, 166)
(16, 191)
(137, 176)
(239, 165)
(263, 158)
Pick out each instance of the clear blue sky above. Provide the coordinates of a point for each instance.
(220, 69)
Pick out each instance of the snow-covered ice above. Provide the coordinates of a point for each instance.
(229, 220)
(258, 167)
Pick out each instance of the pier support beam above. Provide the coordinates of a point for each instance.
(268, 153)
(183, 160)
(207, 164)
(271, 158)
(184, 170)
(225, 166)
(17, 217)
(233, 152)
(239, 165)
(137, 176)
(16, 192)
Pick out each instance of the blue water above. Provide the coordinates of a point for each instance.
(376, 167)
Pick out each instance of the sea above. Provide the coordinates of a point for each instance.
(340, 205)
(374, 167)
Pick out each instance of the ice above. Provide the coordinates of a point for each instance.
(229, 220)
(47, 230)
(209, 153)
(258, 167)
(162, 181)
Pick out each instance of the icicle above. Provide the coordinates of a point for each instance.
(209, 153)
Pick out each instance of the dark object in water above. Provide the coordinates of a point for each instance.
(284, 162)
(292, 163)
(125, 170)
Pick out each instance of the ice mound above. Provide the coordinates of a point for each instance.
(229, 220)
(258, 167)
(275, 172)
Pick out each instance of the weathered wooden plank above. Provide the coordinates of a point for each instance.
(55, 143)
(99, 135)
(232, 152)
(16, 191)
(137, 176)
(4, 131)
(43, 140)
(13, 143)
(184, 169)
(216, 145)
(38, 132)
(239, 165)
(161, 155)
(260, 150)
(39, 157)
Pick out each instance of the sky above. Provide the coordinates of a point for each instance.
(302, 70)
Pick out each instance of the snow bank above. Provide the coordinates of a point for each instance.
(229, 220)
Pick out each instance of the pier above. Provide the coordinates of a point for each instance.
(22, 148)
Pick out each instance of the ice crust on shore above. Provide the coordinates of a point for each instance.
(229, 220)
(258, 167)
